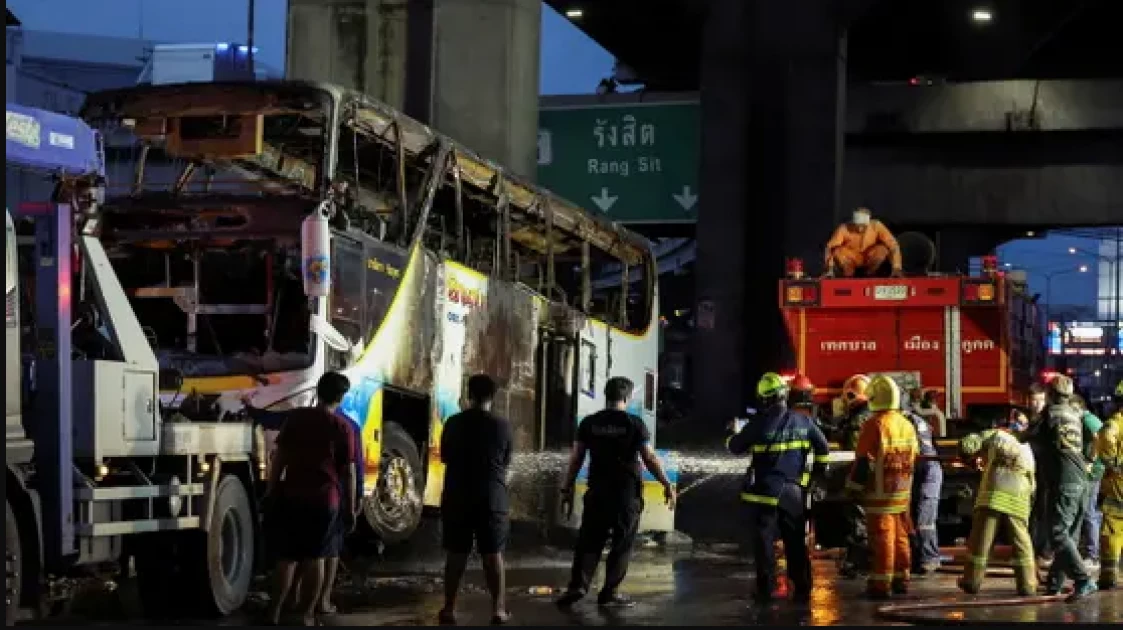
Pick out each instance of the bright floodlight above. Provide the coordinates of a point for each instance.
(1083, 268)
(1072, 250)
(574, 14)
(982, 15)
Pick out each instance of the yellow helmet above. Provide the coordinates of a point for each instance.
(883, 393)
(771, 385)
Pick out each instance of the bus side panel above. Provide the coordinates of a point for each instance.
(398, 353)
(485, 326)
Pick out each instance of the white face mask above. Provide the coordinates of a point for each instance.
(861, 218)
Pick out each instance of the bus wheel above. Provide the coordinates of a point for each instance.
(13, 563)
(394, 511)
(228, 549)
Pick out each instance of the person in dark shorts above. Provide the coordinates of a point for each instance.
(476, 450)
(275, 421)
(616, 442)
(312, 483)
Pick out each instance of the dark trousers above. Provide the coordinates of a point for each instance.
(786, 521)
(1066, 518)
(612, 519)
(1093, 520)
(857, 550)
(925, 540)
(1040, 518)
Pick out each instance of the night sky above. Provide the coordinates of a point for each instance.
(571, 64)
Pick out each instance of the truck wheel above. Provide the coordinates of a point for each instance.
(229, 549)
(13, 563)
(394, 512)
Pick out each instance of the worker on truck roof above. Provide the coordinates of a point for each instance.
(862, 245)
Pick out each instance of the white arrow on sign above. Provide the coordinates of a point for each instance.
(605, 200)
(686, 199)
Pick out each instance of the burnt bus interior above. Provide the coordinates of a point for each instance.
(209, 248)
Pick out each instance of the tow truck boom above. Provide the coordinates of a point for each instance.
(94, 470)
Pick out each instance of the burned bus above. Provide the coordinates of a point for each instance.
(435, 264)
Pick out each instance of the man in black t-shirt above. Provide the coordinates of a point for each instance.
(616, 443)
(476, 451)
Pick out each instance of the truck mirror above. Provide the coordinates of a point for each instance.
(171, 379)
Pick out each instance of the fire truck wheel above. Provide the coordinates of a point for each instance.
(13, 563)
(229, 549)
(395, 509)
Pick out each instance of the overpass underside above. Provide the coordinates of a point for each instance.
(783, 160)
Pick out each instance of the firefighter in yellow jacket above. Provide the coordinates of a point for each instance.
(1005, 496)
(1109, 455)
(882, 480)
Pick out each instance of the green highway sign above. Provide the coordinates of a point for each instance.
(635, 162)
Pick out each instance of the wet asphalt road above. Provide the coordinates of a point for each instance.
(705, 587)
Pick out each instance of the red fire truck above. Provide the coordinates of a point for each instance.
(978, 341)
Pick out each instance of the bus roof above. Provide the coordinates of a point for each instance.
(374, 119)
(42, 140)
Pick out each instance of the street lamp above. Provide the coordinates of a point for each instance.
(981, 15)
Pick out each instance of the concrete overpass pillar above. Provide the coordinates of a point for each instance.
(773, 105)
(469, 68)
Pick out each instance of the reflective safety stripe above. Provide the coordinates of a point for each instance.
(777, 447)
(976, 560)
(885, 509)
(1023, 562)
(759, 498)
(926, 528)
(1004, 502)
(880, 577)
(805, 479)
(822, 459)
(900, 575)
(854, 485)
(727, 441)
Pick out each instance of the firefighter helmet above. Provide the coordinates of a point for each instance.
(1060, 387)
(801, 390)
(884, 394)
(771, 385)
(970, 445)
(854, 389)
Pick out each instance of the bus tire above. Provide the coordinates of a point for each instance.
(13, 563)
(394, 510)
(228, 549)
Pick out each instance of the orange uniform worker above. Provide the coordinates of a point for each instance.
(862, 244)
(882, 478)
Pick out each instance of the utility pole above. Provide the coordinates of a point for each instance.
(249, 40)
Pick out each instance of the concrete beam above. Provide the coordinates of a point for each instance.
(469, 68)
(1024, 105)
(931, 192)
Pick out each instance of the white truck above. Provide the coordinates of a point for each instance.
(98, 470)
